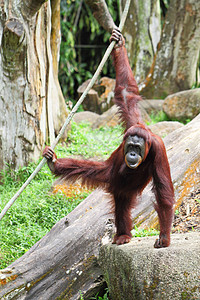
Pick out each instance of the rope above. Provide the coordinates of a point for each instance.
(75, 108)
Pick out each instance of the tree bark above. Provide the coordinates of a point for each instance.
(142, 31)
(65, 261)
(30, 97)
(101, 13)
(175, 64)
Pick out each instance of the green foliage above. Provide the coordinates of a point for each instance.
(186, 121)
(176, 212)
(158, 117)
(12, 177)
(136, 232)
(32, 215)
(88, 142)
(195, 85)
(161, 116)
(105, 296)
(79, 28)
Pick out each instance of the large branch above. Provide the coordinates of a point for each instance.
(101, 13)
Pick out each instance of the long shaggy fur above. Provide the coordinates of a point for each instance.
(123, 183)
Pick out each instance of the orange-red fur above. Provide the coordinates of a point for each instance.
(123, 183)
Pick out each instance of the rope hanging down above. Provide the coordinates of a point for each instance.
(75, 108)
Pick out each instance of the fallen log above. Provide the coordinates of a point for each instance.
(65, 261)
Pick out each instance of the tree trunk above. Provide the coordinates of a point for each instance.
(142, 31)
(175, 64)
(31, 102)
(101, 13)
(65, 261)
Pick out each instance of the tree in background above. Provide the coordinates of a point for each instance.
(176, 62)
(31, 102)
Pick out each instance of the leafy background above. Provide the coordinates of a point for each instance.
(82, 38)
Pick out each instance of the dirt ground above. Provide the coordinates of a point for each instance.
(187, 217)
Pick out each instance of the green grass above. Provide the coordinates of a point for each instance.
(88, 142)
(161, 116)
(158, 117)
(104, 297)
(32, 215)
(137, 232)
